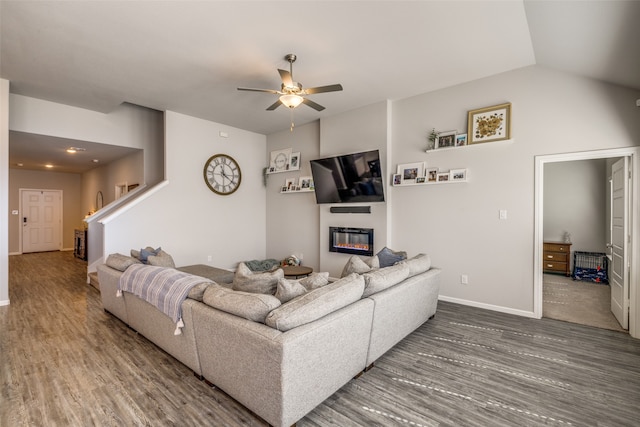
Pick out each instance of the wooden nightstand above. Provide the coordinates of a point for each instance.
(556, 258)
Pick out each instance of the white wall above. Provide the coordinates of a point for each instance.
(575, 201)
(293, 218)
(458, 224)
(185, 218)
(4, 189)
(359, 130)
(129, 126)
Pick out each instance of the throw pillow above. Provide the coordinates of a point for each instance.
(355, 265)
(163, 259)
(143, 254)
(317, 303)
(197, 292)
(120, 262)
(289, 289)
(379, 280)
(373, 262)
(247, 305)
(418, 264)
(315, 280)
(388, 257)
(261, 283)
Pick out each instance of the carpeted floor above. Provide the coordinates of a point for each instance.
(580, 302)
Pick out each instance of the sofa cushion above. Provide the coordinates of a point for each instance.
(250, 306)
(162, 259)
(197, 292)
(388, 257)
(262, 283)
(287, 290)
(315, 280)
(378, 280)
(120, 262)
(355, 264)
(418, 264)
(317, 303)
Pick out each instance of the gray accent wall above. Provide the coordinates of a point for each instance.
(576, 201)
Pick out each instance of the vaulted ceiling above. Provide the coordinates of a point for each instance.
(190, 56)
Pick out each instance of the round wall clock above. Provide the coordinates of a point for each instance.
(222, 174)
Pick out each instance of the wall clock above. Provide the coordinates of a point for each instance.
(222, 174)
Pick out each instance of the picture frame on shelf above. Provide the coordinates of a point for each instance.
(443, 176)
(432, 174)
(410, 171)
(489, 124)
(461, 140)
(290, 184)
(306, 183)
(458, 175)
(294, 161)
(446, 139)
(280, 160)
(420, 180)
(397, 179)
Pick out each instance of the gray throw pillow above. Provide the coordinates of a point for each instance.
(418, 264)
(315, 280)
(355, 265)
(163, 259)
(120, 262)
(247, 305)
(317, 303)
(289, 289)
(379, 280)
(388, 257)
(262, 283)
(197, 292)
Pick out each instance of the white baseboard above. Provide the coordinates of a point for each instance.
(491, 307)
(5, 302)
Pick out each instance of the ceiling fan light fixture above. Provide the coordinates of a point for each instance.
(291, 101)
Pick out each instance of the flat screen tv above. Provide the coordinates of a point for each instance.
(349, 178)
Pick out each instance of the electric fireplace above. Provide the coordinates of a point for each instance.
(348, 240)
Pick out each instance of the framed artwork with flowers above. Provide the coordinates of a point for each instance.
(489, 124)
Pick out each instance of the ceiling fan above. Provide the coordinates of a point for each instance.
(291, 92)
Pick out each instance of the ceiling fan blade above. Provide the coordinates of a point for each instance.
(322, 89)
(312, 104)
(274, 105)
(286, 78)
(259, 90)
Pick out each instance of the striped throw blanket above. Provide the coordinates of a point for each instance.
(165, 288)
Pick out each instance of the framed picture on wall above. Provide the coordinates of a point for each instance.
(489, 124)
(279, 160)
(446, 139)
(397, 179)
(294, 161)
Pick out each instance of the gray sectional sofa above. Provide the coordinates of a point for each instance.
(282, 360)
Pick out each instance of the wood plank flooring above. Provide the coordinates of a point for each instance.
(65, 362)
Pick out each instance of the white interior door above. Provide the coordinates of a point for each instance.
(41, 220)
(619, 270)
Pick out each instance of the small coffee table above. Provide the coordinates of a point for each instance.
(296, 271)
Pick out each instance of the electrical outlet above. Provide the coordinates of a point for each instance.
(503, 214)
(209, 258)
(464, 279)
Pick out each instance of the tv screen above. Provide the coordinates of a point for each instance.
(349, 178)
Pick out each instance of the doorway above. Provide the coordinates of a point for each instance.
(41, 220)
(632, 154)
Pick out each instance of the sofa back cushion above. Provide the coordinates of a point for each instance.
(121, 262)
(248, 305)
(261, 283)
(381, 279)
(317, 303)
(418, 264)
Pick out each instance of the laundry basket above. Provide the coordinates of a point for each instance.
(590, 267)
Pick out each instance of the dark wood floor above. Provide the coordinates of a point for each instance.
(65, 362)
